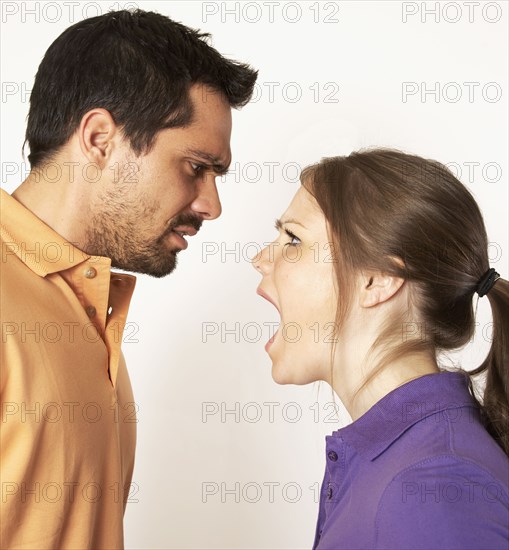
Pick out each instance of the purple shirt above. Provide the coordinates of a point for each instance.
(417, 470)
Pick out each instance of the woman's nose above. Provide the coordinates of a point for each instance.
(260, 261)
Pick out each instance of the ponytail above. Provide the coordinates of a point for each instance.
(495, 402)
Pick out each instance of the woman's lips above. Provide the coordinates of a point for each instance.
(271, 341)
(263, 294)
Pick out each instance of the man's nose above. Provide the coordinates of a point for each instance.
(207, 203)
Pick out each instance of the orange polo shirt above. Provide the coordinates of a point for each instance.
(67, 418)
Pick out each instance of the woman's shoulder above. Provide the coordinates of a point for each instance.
(454, 475)
(447, 483)
(447, 498)
(430, 417)
(451, 445)
(425, 433)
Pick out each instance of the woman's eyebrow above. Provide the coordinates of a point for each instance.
(279, 223)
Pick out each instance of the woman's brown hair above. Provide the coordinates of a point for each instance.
(411, 217)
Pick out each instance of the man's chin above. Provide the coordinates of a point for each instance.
(158, 269)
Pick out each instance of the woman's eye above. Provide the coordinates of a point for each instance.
(279, 227)
(292, 237)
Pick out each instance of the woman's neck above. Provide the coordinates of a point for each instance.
(359, 399)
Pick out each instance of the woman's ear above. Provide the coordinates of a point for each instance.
(377, 287)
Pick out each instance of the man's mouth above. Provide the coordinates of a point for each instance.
(180, 232)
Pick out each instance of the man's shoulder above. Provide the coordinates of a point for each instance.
(12, 267)
(18, 282)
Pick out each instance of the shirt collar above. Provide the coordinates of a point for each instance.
(36, 244)
(396, 412)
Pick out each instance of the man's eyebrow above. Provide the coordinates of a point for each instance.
(215, 163)
(279, 223)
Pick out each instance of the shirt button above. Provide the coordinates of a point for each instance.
(332, 456)
(91, 311)
(329, 493)
(90, 273)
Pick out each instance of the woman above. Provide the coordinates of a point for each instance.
(377, 261)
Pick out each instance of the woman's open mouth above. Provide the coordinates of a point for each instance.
(263, 294)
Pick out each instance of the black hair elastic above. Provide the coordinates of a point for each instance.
(487, 281)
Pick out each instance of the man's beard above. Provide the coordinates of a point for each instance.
(116, 237)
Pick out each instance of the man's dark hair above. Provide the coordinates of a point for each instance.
(139, 66)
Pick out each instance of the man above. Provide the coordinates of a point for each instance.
(129, 124)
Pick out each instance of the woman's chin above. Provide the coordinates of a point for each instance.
(283, 376)
(280, 378)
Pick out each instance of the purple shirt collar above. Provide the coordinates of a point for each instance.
(386, 420)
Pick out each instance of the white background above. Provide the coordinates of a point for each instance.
(357, 64)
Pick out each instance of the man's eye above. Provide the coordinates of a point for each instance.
(197, 168)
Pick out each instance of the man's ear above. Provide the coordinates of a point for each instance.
(96, 132)
(377, 287)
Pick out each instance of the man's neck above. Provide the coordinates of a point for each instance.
(55, 203)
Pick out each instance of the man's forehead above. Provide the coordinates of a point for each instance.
(210, 126)
(202, 94)
(211, 148)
